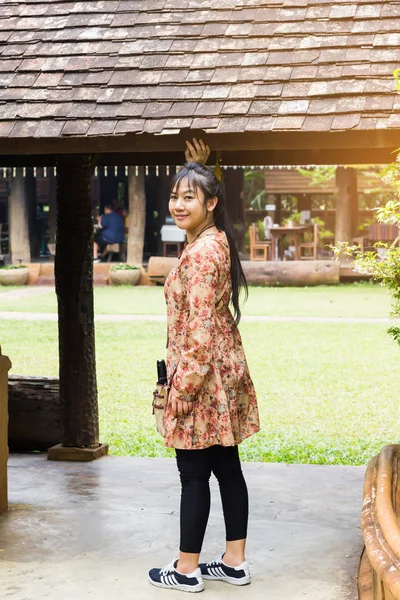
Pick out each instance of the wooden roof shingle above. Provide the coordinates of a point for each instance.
(108, 68)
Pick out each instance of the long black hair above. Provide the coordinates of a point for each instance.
(204, 179)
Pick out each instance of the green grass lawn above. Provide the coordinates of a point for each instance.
(355, 300)
(328, 393)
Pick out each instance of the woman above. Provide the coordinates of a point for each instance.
(212, 404)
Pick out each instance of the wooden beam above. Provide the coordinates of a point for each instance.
(248, 148)
(344, 156)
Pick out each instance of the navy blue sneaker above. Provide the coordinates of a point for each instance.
(169, 578)
(217, 570)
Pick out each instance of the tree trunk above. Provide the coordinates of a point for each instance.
(18, 216)
(346, 206)
(137, 215)
(74, 288)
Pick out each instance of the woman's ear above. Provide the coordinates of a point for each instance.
(212, 203)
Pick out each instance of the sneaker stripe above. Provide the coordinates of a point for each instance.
(171, 580)
(220, 572)
(174, 580)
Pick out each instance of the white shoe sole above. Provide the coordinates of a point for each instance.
(182, 588)
(231, 580)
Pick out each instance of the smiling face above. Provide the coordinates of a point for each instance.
(189, 208)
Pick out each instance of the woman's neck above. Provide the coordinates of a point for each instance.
(192, 234)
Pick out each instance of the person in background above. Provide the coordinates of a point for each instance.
(111, 231)
(268, 224)
(119, 208)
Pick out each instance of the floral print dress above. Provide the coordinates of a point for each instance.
(205, 352)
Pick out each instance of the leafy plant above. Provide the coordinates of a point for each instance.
(373, 194)
(322, 232)
(294, 217)
(261, 231)
(259, 200)
(124, 267)
(320, 176)
(254, 189)
(382, 266)
(396, 76)
(11, 267)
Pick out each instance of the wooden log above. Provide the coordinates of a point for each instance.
(5, 366)
(268, 273)
(35, 412)
(291, 273)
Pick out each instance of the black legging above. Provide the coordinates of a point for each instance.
(195, 467)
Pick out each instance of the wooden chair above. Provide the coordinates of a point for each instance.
(259, 250)
(379, 232)
(313, 245)
(3, 238)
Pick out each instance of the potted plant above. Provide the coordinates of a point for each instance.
(123, 274)
(14, 275)
(292, 220)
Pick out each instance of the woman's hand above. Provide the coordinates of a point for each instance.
(197, 152)
(181, 407)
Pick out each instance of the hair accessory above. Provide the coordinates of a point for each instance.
(217, 168)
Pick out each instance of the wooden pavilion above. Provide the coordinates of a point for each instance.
(125, 82)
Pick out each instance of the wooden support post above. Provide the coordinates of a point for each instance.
(33, 221)
(5, 366)
(346, 205)
(74, 288)
(137, 215)
(163, 194)
(52, 206)
(18, 216)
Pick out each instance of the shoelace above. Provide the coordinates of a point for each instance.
(214, 563)
(168, 568)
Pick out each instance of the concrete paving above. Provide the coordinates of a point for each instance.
(77, 531)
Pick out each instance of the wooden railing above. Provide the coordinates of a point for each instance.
(379, 577)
